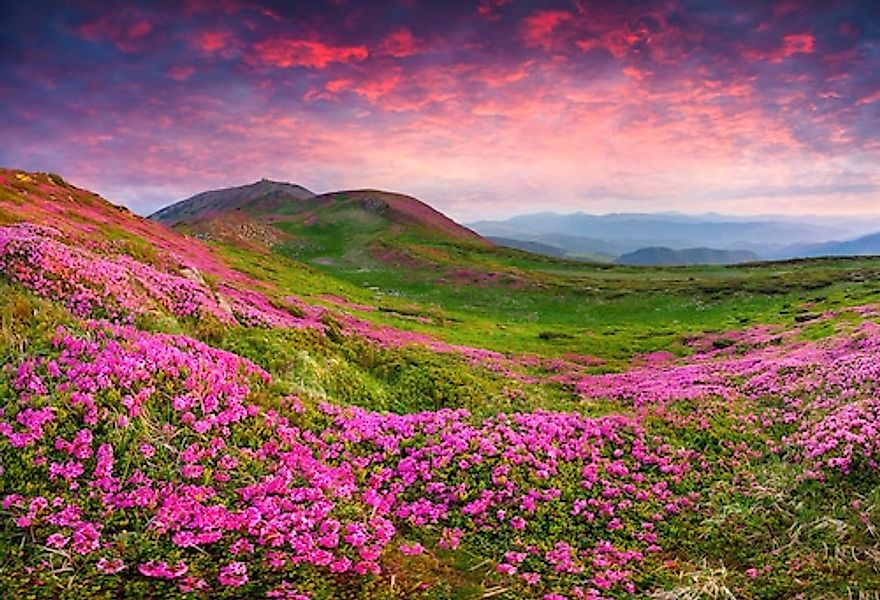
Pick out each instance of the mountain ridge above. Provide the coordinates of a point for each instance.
(660, 256)
(230, 198)
(271, 202)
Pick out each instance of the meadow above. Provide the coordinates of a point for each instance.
(190, 419)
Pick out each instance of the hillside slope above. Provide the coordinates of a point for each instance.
(622, 233)
(261, 197)
(868, 245)
(181, 419)
(659, 256)
(277, 202)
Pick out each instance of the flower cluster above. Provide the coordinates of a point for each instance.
(89, 284)
(209, 471)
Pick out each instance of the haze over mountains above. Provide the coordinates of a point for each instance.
(344, 227)
(659, 238)
(351, 229)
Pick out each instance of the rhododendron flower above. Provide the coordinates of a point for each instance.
(108, 566)
(162, 570)
(412, 549)
(57, 540)
(235, 574)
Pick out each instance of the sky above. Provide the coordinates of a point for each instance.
(483, 109)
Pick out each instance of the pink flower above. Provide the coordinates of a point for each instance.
(234, 574)
(412, 549)
(147, 451)
(108, 566)
(56, 540)
(162, 570)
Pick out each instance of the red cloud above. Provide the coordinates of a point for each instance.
(212, 41)
(372, 88)
(538, 28)
(803, 43)
(399, 44)
(488, 9)
(286, 53)
(798, 43)
(181, 73)
(127, 29)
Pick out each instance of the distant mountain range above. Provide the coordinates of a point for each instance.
(340, 226)
(268, 201)
(527, 246)
(670, 238)
(862, 246)
(688, 256)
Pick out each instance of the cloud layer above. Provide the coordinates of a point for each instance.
(483, 109)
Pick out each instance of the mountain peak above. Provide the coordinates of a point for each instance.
(261, 196)
(272, 213)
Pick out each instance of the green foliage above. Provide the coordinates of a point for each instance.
(815, 540)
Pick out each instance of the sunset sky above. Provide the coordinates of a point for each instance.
(483, 109)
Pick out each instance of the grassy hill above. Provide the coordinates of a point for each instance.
(661, 256)
(209, 411)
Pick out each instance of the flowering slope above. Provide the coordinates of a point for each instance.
(826, 390)
(154, 462)
(144, 464)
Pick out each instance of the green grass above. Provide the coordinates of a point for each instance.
(553, 306)
(811, 534)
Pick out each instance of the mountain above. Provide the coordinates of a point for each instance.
(178, 417)
(350, 229)
(867, 245)
(294, 209)
(659, 256)
(630, 232)
(264, 196)
(527, 246)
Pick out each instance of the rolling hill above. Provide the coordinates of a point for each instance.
(187, 418)
(659, 256)
(867, 245)
(261, 197)
(622, 233)
(352, 228)
(279, 202)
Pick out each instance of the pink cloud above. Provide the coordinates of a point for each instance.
(538, 28)
(372, 88)
(399, 44)
(210, 42)
(869, 99)
(799, 43)
(291, 52)
(127, 29)
(181, 73)
(489, 9)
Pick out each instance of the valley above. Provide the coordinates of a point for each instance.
(292, 395)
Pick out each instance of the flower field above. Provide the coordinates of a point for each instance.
(166, 431)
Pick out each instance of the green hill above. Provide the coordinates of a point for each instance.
(199, 412)
(661, 256)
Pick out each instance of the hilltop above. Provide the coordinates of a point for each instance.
(659, 256)
(772, 237)
(261, 197)
(299, 218)
(184, 414)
